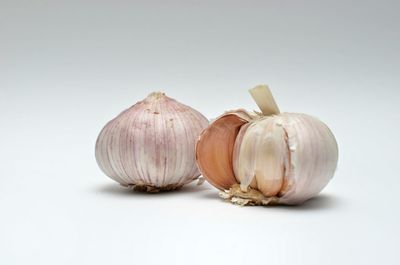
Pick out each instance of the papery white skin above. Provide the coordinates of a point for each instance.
(267, 157)
(151, 144)
(289, 156)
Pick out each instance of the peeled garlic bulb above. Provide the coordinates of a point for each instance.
(268, 157)
(151, 145)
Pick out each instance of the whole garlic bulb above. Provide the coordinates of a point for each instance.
(268, 157)
(151, 145)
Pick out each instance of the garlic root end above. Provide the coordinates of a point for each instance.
(251, 198)
(152, 189)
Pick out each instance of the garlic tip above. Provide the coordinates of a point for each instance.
(155, 96)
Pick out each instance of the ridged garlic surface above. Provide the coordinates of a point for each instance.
(269, 157)
(151, 145)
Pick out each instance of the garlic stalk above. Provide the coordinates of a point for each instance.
(151, 145)
(268, 157)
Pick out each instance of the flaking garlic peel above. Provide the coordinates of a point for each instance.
(269, 157)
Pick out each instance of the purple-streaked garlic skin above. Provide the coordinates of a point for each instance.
(151, 144)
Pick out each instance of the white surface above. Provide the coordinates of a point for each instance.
(67, 67)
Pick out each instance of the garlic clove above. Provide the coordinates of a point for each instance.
(313, 154)
(244, 172)
(262, 157)
(215, 146)
(271, 155)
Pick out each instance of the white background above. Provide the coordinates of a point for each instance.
(67, 67)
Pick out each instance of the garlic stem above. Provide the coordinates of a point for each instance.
(265, 101)
(155, 95)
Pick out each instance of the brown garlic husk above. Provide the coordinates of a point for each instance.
(267, 158)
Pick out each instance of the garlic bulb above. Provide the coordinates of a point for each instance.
(267, 158)
(151, 145)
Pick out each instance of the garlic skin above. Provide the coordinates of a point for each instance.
(271, 157)
(291, 156)
(151, 145)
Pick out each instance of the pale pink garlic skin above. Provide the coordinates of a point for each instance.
(151, 144)
(289, 156)
(267, 157)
